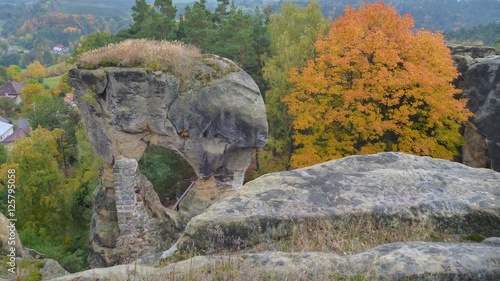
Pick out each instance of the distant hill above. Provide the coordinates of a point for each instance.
(487, 34)
(100, 8)
(443, 15)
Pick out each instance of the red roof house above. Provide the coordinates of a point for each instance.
(69, 99)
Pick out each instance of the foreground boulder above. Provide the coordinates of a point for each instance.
(385, 186)
(202, 107)
(397, 261)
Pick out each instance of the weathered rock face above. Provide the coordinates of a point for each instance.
(214, 119)
(482, 87)
(449, 195)
(480, 82)
(397, 261)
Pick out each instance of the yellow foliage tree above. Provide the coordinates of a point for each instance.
(32, 94)
(13, 72)
(376, 85)
(36, 70)
(38, 180)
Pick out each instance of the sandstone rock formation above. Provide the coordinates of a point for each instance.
(214, 122)
(480, 81)
(482, 87)
(397, 261)
(389, 186)
(214, 118)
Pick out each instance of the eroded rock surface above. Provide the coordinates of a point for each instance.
(482, 87)
(397, 261)
(480, 81)
(214, 118)
(449, 195)
(214, 121)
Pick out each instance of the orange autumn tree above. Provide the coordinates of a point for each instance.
(376, 85)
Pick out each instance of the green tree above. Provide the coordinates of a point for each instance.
(222, 11)
(165, 24)
(91, 42)
(376, 85)
(44, 196)
(235, 38)
(197, 26)
(84, 180)
(53, 113)
(40, 189)
(3, 75)
(152, 22)
(13, 72)
(141, 11)
(3, 155)
(8, 107)
(143, 15)
(292, 33)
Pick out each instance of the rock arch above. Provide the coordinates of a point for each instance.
(213, 120)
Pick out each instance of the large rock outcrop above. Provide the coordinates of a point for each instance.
(214, 121)
(387, 186)
(213, 116)
(479, 79)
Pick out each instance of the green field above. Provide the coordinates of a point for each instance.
(18, 48)
(52, 81)
(1, 25)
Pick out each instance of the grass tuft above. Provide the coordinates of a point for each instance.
(175, 57)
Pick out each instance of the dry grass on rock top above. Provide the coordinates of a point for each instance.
(152, 55)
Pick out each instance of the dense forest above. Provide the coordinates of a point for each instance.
(283, 45)
(487, 34)
(441, 15)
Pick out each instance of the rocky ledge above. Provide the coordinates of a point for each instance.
(396, 261)
(385, 186)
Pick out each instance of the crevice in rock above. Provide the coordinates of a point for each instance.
(172, 123)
